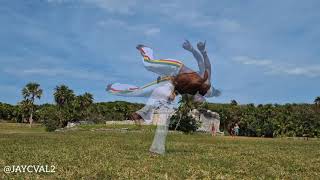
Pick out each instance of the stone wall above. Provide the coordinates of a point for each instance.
(210, 121)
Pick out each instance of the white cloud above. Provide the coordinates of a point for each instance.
(152, 31)
(176, 11)
(113, 22)
(111, 6)
(56, 72)
(114, 6)
(180, 12)
(251, 61)
(229, 25)
(146, 29)
(309, 71)
(57, 1)
(275, 68)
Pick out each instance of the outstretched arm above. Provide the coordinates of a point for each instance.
(187, 46)
(202, 48)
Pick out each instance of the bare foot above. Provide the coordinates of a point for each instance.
(187, 46)
(201, 46)
(154, 154)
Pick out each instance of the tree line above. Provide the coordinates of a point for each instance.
(269, 120)
(67, 107)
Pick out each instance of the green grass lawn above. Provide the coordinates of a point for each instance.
(97, 153)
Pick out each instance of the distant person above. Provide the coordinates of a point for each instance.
(213, 131)
(231, 129)
(236, 129)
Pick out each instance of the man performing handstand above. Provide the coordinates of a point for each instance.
(174, 78)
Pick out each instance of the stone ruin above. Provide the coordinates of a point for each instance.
(210, 121)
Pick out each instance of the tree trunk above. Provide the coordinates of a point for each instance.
(31, 113)
(30, 119)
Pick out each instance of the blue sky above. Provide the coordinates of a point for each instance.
(261, 51)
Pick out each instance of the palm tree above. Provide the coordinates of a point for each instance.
(24, 109)
(83, 102)
(63, 96)
(317, 100)
(30, 92)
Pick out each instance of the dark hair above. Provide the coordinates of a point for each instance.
(191, 83)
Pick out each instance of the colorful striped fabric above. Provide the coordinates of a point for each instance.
(162, 67)
(130, 90)
(163, 61)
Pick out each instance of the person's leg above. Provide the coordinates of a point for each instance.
(201, 46)
(187, 46)
(128, 90)
(146, 113)
(162, 67)
(167, 67)
(159, 141)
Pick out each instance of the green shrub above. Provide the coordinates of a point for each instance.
(50, 118)
(186, 124)
(182, 119)
(51, 124)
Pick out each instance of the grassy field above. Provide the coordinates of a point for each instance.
(109, 152)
